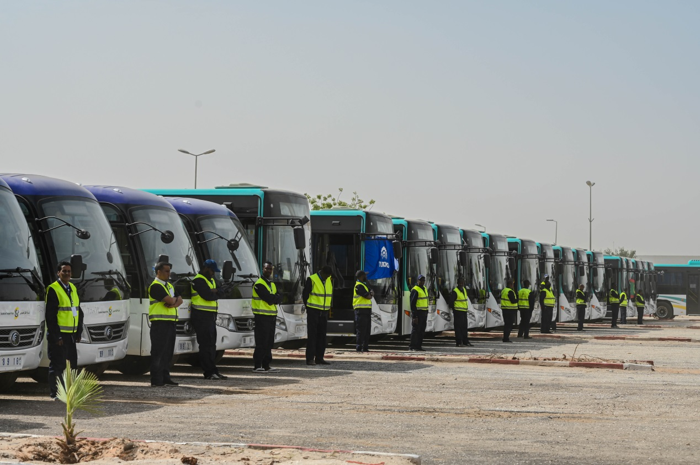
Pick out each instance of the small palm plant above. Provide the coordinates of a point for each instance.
(79, 391)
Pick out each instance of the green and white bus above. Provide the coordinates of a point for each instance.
(678, 288)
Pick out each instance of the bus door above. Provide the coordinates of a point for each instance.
(693, 296)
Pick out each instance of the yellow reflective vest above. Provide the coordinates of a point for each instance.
(623, 299)
(549, 300)
(613, 297)
(359, 302)
(524, 299)
(422, 302)
(158, 311)
(506, 304)
(461, 304)
(198, 302)
(639, 301)
(67, 323)
(580, 297)
(260, 307)
(321, 295)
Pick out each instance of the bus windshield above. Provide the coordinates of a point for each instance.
(529, 266)
(448, 270)
(16, 251)
(476, 282)
(179, 251)
(581, 265)
(99, 252)
(498, 271)
(418, 263)
(599, 275)
(243, 258)
(287, 260)
(568, 277)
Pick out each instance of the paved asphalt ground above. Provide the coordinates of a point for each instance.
(449, 413)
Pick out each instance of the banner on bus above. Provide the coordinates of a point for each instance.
(379, 259)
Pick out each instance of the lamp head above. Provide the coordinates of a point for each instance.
(590, 184)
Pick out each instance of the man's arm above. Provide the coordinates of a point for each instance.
(362, 292)
(307, 290)
(512, 297)
(202, 288)
(266, 296)
(159, 294)
(53, 331)
(531, 300)
(453, 299)
(413, 298)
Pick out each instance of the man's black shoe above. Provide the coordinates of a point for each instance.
(311, 363)
(170, 382)
(507, 340)
(366, 350)
(459, 345)
(614, 326)
(545, 332)
(469, 344)
(322, 362)
(157, 384)
(358, 350)
(527, 337)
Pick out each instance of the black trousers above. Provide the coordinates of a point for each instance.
(418, 329)
(317, 325)
(510, 316)
(580, 315)
(623, 314)
(546, 321)
(204, 324)
(615, 309)
(58, 355)
(461, 327)
(524, 327)
(162, 348)
(640, 315)
(363, 329)
(264, 340)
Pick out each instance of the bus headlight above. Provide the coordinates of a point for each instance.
(226, 322)
(85, 336)
(281, 324)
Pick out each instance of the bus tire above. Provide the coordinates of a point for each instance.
(133, 365)
(294, 344)
(98, 369)
(40, 375)
(664, 311)
(7, 380)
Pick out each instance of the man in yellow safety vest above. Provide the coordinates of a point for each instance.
(64, 325)
(547, 303)
(580, 306)
(318, 299)
(362, 304)
(526, 304)
(460, 308)
(419, 314)
(639, 303)
(205, 308)
(509, 306)
(162, 314)
(265, 301)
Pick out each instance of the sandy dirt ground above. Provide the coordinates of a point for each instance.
(449, 413)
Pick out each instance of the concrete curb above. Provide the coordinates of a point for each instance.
(445, 358)
(413, 458)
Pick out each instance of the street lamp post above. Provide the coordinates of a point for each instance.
(196, 158)
(590, 216)
(481, 226)
(556, 230)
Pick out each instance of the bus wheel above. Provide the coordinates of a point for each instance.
(7, 380)
(294, 344)
(133, 365)
(98, 369)
(664, 311)
(40, 375)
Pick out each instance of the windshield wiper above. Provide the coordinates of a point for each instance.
(19, 271)
(122, 280)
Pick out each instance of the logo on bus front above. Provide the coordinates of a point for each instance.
(16, 313)
(385, 254)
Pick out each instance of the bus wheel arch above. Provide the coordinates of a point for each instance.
(664, 310)
(7, 380)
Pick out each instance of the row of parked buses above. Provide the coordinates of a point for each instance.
(113, 237)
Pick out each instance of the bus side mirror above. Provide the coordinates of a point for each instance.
(560, 269)
(82, 234)
(167, 237)
(398, 250)
(463, 258)
(581, 270)
(299, 238)
(511, 264)
(434, 255)
(232, 245)
(76, 266)
(227, 271)
(487, 262)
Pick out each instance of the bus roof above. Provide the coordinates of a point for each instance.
(339, 212)
(689, 265)
(126, 195)
(188, 206)
(34, 184)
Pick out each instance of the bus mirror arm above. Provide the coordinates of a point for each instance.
(166, 236)
(81, 233)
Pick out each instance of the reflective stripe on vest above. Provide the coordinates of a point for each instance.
(549, 300)
(580, 297)
(422, 301)
(321, 294)
(524, 299)
(67, 323)
(260, 307)
(461, 304)
(611, 299)
(198, 302)
(623, 299)
(158, 311)
(359, 302)
(506, 304)
(637, 301)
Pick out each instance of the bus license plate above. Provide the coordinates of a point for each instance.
(11, 362)
(105, 353)
(184, 346)
(248, 341)
(300, 330)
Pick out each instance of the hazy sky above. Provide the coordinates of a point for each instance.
(491, 112)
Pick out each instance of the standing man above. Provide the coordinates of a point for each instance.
(419, 314)
(318, 298)
(460, 307)
(162, 313)
(639, 302)
(526, 304)
(509, 305)
(623, 307)
(265, 301)
(362, 303)
(547, 303)
(205, 307)
(614, 304)
(64, 325)
(580, 306)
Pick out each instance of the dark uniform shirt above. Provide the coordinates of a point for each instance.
(453, 297)
(613, 293)
(53, 333)
(543, 295)
(202, 288)
(361, 291)
(159, 293)
(308, 285)
(580, 295)
(512, 297)
(266, 296)
(414, 298)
